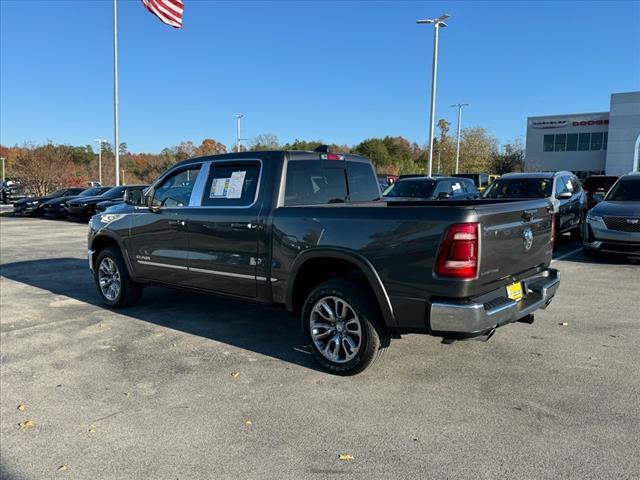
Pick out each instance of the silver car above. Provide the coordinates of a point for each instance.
(613, 225)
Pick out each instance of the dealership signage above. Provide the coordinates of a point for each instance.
(565, 123)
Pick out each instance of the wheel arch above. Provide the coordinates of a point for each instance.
(324, 259)
(104, 240)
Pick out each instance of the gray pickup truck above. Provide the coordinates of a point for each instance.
(310, 232)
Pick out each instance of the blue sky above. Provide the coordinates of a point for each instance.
(338, 71)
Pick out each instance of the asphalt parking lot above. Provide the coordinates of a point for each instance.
(186, 386)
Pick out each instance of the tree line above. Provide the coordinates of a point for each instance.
(43, 168)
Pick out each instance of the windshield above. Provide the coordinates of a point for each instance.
(58, 193)
(627, 190)
(410, 188)
(114, 192)
(90, 192)
(599, 183)
(519, 188)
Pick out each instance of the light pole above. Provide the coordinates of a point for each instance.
(459, 106)
(100, 141)
(238, 117)
(3, 174)
(437, 23)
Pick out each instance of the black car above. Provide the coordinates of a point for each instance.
(31, 205)
(85, 207)
(562, 188)
(11, 192)
(56, 207)
(431, 188)
(134, 193)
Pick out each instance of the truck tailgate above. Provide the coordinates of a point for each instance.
(515, 237)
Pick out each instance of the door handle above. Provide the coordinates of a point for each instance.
(243, 226)
(178, 223)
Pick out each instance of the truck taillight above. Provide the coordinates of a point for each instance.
(553, 230)
(332, 156)
(458, 253)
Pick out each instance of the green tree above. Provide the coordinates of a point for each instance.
(375, 150)
(477, 149)
(510, 159)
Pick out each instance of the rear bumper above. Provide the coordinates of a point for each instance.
(477, 318)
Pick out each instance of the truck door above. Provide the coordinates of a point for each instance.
(224, 231)
(158, 242)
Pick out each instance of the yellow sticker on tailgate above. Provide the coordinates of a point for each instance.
(514, 291)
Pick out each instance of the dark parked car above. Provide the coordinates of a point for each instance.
(481, 180)
(597, 185)
(133, 192)
(56, 207)
(83, 208)
(307, 230)
(11, 192)
(613, 225)
(430, 188)
(562, 188)
(31, 205)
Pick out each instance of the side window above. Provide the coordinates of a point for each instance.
(457, 187)
(484, 180)
(442, 187)
(561, 187)
(175, 190)
(135, 195)
(311, 182)
(563, 184)
(363, 186)
(575, 183)
(232, 184)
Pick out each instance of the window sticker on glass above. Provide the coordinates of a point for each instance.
(236, 183)
(219, 188)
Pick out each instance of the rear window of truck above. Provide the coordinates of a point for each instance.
(311, 182)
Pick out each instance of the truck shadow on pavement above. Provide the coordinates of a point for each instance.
(261, 329)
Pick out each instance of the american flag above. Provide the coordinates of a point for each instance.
(168, 11)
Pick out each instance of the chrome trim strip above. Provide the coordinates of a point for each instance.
(228, 274)
(165, 265)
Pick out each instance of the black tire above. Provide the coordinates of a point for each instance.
(129, 291)
(374, 339)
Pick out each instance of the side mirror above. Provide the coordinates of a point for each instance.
(564, 195)
(598, 197)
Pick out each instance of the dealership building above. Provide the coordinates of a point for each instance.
(587, 143)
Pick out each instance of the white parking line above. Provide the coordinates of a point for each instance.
(567, 254)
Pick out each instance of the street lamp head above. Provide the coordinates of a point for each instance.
(426, 20)
(238, 115)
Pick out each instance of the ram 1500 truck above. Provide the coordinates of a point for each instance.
(310, 232)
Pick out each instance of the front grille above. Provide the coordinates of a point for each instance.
(623, 224)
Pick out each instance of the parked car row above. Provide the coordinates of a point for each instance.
(76, 203)
(612, 226)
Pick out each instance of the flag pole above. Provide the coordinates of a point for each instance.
(115, 90)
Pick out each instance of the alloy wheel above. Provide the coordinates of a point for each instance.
(335, 329)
